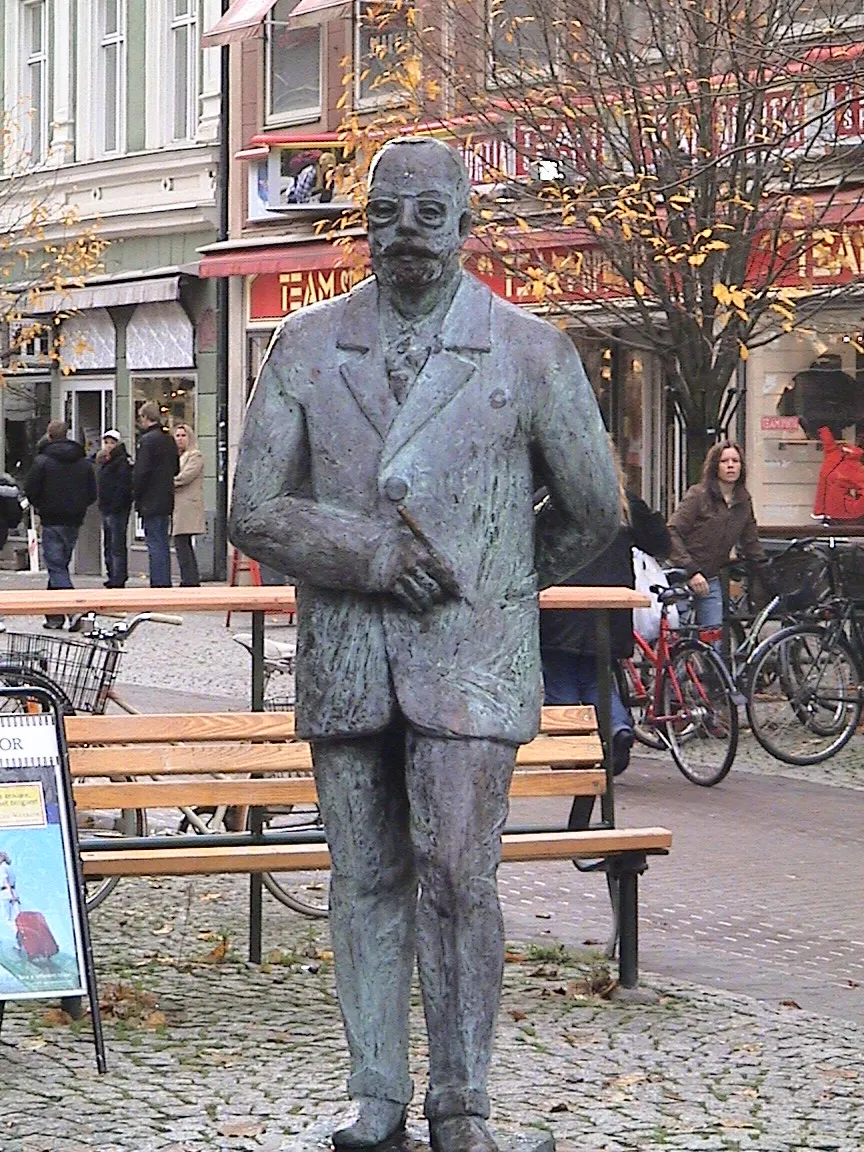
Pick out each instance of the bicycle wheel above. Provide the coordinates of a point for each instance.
(700, 714)
(96, 823)
(636, 687)
(305, 892)
(804, 694)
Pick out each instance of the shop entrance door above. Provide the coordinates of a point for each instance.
(89, 411)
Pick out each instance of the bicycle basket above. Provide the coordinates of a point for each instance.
(850, 572)
(85, 670)
(279, 704)
(801, 578)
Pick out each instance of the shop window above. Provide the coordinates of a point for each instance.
(175, 396)
(293, 67)
(299, 177)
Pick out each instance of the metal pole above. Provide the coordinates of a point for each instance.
(628, 926)
(256, 815)
(604, 707)
(220, 525)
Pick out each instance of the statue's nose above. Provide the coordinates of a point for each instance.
(407, 216)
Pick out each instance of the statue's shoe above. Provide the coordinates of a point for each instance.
(461, 1134)
(377, 1121)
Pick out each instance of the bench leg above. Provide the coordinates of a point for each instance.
(625, 870)
(255, 916)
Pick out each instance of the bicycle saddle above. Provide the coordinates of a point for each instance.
(273, 649)
(675, 575)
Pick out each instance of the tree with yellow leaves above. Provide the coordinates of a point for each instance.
(703, 156)
(44, 248)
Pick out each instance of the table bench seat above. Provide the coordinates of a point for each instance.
(204, 860)
(254, 760)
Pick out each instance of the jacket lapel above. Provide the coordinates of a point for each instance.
(363, 368)
(466, 329)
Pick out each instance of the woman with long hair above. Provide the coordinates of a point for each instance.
(714, 517)
(567, 637)
(189, 520)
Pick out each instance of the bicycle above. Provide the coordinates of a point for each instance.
(688, 706)
(81, 674)
(306, 893)
(804, 697)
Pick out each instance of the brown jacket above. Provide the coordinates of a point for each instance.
(704, 531)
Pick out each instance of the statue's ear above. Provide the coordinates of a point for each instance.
(465, 222)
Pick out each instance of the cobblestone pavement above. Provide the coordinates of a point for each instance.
(761, 895)
(207, 1053)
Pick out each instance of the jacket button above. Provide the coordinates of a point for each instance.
(395, 488)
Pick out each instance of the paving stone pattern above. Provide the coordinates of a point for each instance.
(761, 895)
(206, 1052)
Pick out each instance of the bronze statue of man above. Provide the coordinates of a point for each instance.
(391, 450)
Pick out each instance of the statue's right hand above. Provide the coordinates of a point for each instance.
(415, 577)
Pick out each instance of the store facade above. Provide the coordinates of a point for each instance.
(124, 339)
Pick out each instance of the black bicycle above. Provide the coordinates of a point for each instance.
(804, 683)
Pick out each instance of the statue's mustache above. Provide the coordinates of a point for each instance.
(406, 248)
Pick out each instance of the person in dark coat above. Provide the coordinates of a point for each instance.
(567, 637)
(114, 483)
(157, 462)
(61, 486)
(10, 506)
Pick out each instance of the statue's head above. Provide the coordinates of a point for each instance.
(417, 212)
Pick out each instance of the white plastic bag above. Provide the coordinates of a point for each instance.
(646, 621)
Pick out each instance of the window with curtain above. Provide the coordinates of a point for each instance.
(111, 32)
(382, 46)
(35, 79)
(183, 59)
(293, 67)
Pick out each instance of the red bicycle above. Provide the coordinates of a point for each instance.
(680, 694)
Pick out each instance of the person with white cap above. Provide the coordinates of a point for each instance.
(114, 482)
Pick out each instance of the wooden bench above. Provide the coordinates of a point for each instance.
(206, 760)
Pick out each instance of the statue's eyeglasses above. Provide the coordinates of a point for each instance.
(430, 210)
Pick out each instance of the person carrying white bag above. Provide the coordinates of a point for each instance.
(649, 574)
(567, 636)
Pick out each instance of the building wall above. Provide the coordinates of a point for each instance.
(153, 199)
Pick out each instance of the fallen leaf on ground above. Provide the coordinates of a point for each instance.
(789, 1004)
(55, 1017)
(165, 930)
(240, 1128)
(515, 957)
(518, 1014)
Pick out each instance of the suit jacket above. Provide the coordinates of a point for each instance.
(501, 406)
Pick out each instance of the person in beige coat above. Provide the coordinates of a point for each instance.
(189, 519)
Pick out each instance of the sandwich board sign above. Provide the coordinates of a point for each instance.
(45, 949)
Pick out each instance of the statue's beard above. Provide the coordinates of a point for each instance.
(409, 267)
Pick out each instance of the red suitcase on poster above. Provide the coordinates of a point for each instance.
(34, 936)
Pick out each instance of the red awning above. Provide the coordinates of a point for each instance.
(276, 258)
(242, 21)
(310, 12)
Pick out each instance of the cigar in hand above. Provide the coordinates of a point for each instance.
(439, 570)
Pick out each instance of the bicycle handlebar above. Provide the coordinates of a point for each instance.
(87, 623)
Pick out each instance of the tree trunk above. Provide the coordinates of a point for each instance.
(699, 443)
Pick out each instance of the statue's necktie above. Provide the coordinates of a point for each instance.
(405, 360)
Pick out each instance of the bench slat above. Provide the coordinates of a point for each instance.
(568, 720)
(294, 756)
(574, 719)
(297, 790)
(308, 857)
(175, 728)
